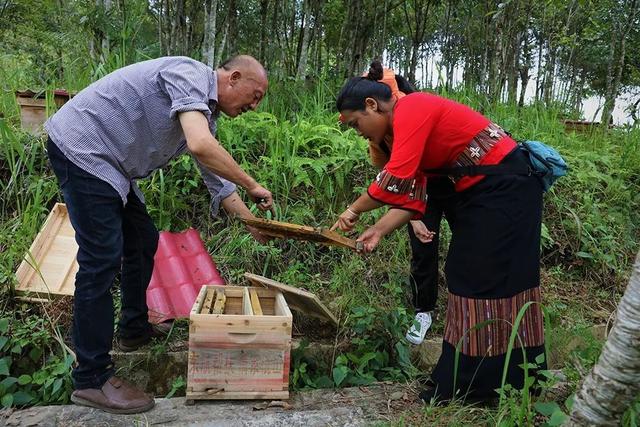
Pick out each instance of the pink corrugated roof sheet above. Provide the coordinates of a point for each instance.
(182, 266)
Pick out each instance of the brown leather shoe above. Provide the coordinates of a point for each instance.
(116, 396)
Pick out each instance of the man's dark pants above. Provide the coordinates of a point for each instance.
(111, 237)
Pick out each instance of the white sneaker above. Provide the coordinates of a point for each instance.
(419, 328)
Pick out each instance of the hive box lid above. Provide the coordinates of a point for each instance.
(297, 299)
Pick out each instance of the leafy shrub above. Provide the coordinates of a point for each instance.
(376, 351)
(31, 372)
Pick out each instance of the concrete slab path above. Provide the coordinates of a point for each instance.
(356, 406)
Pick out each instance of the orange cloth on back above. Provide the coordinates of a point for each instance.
(389, 78)
(378, 156)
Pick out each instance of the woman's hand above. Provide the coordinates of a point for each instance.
(346, 221)
(370, 239)
(393, 219)
(422, 232)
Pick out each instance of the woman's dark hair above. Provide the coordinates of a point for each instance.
(357, 89)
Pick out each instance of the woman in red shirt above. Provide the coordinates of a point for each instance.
(493, 263)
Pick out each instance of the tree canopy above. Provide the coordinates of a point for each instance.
(567, 49)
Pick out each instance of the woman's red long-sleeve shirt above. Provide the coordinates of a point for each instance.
(431, 132)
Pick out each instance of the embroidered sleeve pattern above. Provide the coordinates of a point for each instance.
(406, 193)
(393, 184)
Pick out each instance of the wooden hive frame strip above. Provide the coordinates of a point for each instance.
(221, 299)
(255, 302)
(246, 303)
(208, 300)
(197, 306)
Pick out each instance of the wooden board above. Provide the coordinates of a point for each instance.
(221, 299)
(286, 230)
(297, 299)
(255, 303)
(49, 267)
(208, 300)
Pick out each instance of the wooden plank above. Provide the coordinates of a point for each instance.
(208, 300)
(238, 395)
(281, 307)
(240, 320)
(220, 339)
(233, 291)
(255, 302)
(301, 232)
(240, 323)
(246, 303)
(268, 305)
(197, 305)
(48, 269)
(221, 299)
(237, 368)
(298, 299)
(30, 265)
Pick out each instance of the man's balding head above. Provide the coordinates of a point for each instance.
(242, 82)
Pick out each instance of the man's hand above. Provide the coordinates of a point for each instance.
(262, 197)
(346, 221)
(422, 232)
(235, 207)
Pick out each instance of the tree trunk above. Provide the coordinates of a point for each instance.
(305, 34)
(316, 37)
(105, 36)
(549, 75)
(233, 28)
(419, 19)
(264, 10)
(614, 382)
(223, 40)
(540, 75)
(524, 68)
(177, 29)
(209, 42)
(160, 25)
(617, 58)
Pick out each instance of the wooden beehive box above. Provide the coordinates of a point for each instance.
(52, 255)
(33, 108)
(243, 350)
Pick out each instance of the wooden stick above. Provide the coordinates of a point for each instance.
(221, 299)
(246, 303)
(208, 300)
(255, 302)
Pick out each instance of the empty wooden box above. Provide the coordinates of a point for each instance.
(240, 339)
